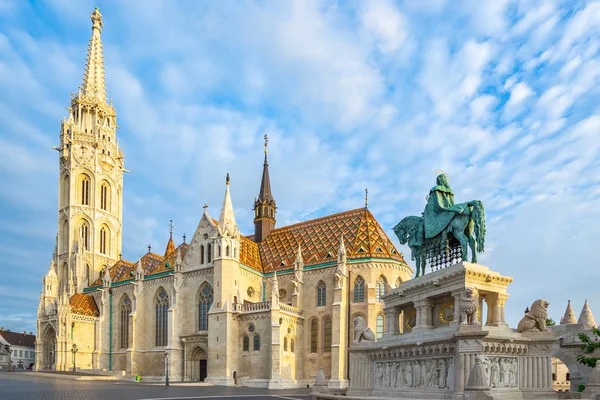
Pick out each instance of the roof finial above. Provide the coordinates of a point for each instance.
(227, 179)
(149, 248)
(171, 228)
(266, 142)
(366, 197)
(205, 206)
(96, 20)
(184, 238)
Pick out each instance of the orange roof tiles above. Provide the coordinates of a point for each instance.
(84, 304)
(249, 254)
(168, 263)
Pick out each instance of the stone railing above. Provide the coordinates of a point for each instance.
(291, 310)
(255, 307)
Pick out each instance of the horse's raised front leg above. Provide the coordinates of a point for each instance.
(458, 228)
(472, 241)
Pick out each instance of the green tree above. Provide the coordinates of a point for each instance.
(589, 345)
(550, 322)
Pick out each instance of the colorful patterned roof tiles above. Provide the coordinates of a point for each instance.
(168, 263)
(83, 304)
(249, 254)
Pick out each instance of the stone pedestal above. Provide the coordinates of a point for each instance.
(445, 342)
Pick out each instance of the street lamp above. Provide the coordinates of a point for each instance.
(8, 348)
(74, 350)
(167, 368)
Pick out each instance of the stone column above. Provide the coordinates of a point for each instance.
(456, 295)
(502, 298)
(490, 301)
(339, 344)
(423, 307)
(391, 321)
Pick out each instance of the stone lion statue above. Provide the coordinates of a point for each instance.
(468, 306)
(362, 331)
(535, 319)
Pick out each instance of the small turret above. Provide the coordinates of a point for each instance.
(227, 225)
(586, 318)
(569, 317)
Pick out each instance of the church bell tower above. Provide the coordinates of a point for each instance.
(264, 205)
(90, 178)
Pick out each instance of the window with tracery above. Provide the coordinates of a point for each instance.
(256, 342)
(314, 336)
(321, 294)
(162, 322)
(84, 235)
(125, 311)
(285, 341)
(104, 198)
(380, 287)
(103, 240)
(85, 191)
(359, 290)
(292, 345)
(205, 300)
(246, 343)
(380, 323)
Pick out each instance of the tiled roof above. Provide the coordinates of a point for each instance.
(319, 240)
(124, 270)
(249, 255)
(168, 263)
(170, 246)
(83, 304)
(18, 339)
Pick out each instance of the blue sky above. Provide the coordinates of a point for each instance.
(502, 95)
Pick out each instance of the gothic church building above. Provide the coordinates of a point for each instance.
(264, 310)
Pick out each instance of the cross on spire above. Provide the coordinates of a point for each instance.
(366, 197)
(266, 142)
(171, 227)
(149, 248)
(184, 238)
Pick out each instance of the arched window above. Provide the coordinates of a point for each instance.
(209, 253)
(314, 335)
(379, 330)
(125, 311)
(65, 237)
(398, 282)
(219, 251)
(256, 342)
(105, 196)
(64, 274)
(66, 191)
(246, 343)
(327, 335)
(284, 344)
(201, 254)
(85, 191)
(553, 376)
(205, 299)
(84, 235)
(359, 290)
(104, 237)
(292, 345)
(321, 294)
(161, 308)
(380, 288)
(568, 376)
(87, 274)
(227, 251)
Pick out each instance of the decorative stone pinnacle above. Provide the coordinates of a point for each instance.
(227, 179)
(96, 19)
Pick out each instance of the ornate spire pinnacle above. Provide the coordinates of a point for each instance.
(170, 244)
(299, 259)
(264, 205)
(569, 317)
(342, 250)
(366, 198)
(227, 224)
(94, 84)
(586, 318)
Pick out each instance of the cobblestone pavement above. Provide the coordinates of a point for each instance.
(24, 387)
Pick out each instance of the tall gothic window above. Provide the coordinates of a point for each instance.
(246, 343)
(209, 253)
(87, 274)
(66, 191)
(314, 335)
(327, 335)
(359, 290)
(85, 191)
(205, 299)
(285, 344)
(380, 287)
(103, 240)
(125, 311)
(292, 345)
(201, 254)
(256, 343)
(161, 306)
(227, 251)
(64, 246)
(379, 330)
(321, 294)
(84, 235)
(104, 197)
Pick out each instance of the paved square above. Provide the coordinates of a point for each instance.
(28, 387)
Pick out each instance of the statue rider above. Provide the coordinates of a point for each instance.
(440, 209)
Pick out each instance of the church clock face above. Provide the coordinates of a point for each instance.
(84, 154)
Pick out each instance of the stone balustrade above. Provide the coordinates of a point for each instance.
(298, 312)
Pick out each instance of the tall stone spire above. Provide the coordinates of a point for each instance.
(586, 318)
(569, 317)
(94, 84)
(227, 224)
(264, 205)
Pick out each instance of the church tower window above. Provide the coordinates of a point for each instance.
(379, 330)
(359, 290)
(209, 253)
(292, 345)
(125, 311)
(314, 335)
(380, 287)
(246, 343)
(104, 196)
(256, 343)
(84, 235)
(161, 308)
(285, 344)
(104, 240)
(321, 294)
(201, 254)
(327, 335)
(85, 191)
(205, 299)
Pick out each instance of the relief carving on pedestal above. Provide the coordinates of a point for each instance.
(434, 373)
(502, 372)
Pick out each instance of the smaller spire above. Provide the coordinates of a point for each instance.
(586, 318)
(227, 224)
(149, 248)
(342, 249)
(569, 317)
(170, 244)
(299, 259)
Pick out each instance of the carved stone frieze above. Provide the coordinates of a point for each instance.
(502, 372)
(432, 373)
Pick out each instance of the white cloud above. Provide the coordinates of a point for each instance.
(386, 23)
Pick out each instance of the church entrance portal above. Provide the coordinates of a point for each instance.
(197, 365)
(49, 349)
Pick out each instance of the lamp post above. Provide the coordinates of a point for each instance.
(8, 348)
(167, 368)
(74, 350)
